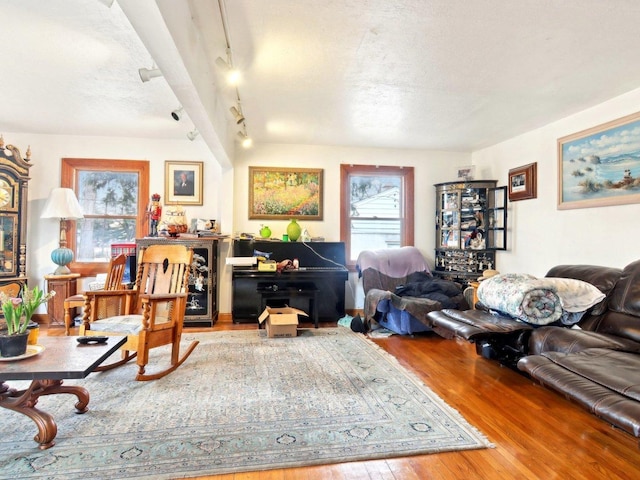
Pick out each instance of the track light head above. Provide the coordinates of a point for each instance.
(245, 140)
(192, 135)
(232, 75)
(237, 115)
(147, 74)
(177, 114)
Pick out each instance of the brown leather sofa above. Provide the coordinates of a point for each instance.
(596, 365)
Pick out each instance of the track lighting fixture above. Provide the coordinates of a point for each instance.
(245, 140)
(177, 114)
(232, 75)
(237, 115)
(147, 74)
(192, 135)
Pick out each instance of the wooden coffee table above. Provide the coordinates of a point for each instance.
(62, 357)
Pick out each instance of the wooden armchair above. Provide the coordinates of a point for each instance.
(151, 314)
(115, 273)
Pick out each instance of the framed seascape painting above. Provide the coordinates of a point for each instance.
(600, 166)
(183, 183)
(282, 193)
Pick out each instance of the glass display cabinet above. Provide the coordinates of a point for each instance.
(471, 224)
(14, 183)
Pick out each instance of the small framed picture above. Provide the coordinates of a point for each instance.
(183, 183)
(523, 182)
(466, 173)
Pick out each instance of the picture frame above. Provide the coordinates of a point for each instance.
(466, 173)
(600, 166)
(284, 193)
(523, 182)
(183, 182)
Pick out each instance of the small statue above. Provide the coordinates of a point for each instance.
(154, 212)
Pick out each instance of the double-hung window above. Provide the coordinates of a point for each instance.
(376, 205)
(114, 195)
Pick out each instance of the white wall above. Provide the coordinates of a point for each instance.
(542, 236)
(429, 167)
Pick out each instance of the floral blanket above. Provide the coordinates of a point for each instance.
(539, 301)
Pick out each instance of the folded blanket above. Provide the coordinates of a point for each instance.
(393, 262)
(425, 286)
(539, 301)
(521, 296)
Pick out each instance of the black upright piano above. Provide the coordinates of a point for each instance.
(321, 266)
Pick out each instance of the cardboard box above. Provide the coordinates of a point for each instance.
(281, 322)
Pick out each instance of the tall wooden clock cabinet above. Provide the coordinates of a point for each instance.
(14, 183)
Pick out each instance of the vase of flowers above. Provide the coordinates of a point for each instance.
(17, 315)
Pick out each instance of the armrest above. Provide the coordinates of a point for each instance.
(161, 297)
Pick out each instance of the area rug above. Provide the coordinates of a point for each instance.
(241, 402)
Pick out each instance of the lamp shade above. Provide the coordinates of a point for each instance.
(62, 203)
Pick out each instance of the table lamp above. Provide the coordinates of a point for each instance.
(62, 204)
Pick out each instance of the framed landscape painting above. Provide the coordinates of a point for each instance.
(600, 166)
(285, 193)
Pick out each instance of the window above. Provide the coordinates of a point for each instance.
(376, 205)
(114, 195)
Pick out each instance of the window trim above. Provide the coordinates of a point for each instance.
(407, 220)
(69, 176)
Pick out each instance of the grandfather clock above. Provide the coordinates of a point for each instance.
(14, 183)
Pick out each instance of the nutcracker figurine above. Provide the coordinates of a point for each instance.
(154, 212)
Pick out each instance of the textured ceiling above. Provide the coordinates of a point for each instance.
(433, 74)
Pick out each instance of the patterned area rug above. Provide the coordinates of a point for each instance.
(241, 402)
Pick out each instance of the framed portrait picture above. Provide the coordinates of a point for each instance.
(600, 166)
(282, 193)
(182, 183)
(523, 182)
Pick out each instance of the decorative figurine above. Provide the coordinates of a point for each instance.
(154, 212)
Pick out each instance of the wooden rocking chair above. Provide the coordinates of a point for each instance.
(151, 314)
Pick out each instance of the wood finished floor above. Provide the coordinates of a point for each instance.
(538, 434)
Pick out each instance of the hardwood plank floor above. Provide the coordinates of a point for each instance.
(537, 433)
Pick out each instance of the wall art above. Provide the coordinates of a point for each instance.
(600, 166)
(285, 193)
(523, 182)
(183, 183)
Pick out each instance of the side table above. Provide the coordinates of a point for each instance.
(65, 286)
(474, 285)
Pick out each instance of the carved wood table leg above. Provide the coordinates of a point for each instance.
(24, 401)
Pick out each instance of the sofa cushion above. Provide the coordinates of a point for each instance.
(568, 340)
(618, 409)
(616, 370)
(623, 315)
(473, 325)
